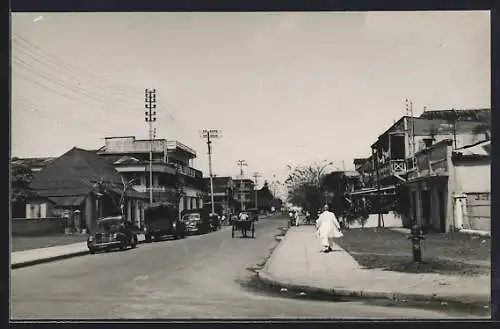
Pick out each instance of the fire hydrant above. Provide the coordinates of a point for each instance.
(416, 236)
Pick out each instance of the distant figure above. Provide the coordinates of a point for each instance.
(297, 218)
(328, 229)
(243, 216)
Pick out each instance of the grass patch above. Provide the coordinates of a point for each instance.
(452, 253)
(20, 243)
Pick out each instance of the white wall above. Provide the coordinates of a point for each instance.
(473, 177)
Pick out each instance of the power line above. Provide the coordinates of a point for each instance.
(123, 87)
(42, 113)
(46, 76)
(90, 94)
(76, 79)
(57, 91)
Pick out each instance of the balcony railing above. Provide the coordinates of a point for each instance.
(392, 168)
(187, 171)
(156, 189)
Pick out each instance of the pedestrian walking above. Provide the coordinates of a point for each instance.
(328, 228)
(297, 218)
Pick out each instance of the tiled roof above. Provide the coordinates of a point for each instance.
(460, 114)
(73, 173)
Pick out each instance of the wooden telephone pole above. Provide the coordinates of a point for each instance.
(241, 163)
(255, 176)
(150, 100)
(210, 134)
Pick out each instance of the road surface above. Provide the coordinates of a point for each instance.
(197, 277)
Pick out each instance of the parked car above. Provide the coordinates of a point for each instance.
(112, 233)
(162, 219)
(197, 221)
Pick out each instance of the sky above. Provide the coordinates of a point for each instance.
(283, 87)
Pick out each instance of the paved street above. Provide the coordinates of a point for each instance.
(198, 277)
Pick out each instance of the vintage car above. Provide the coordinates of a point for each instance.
(112, 233)
(197, 221)
(162, 219)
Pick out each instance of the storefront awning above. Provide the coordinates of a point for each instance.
(67, 201)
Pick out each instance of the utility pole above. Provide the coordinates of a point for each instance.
(150, 100)
(208, 134)
(255, 176)
(241, 163)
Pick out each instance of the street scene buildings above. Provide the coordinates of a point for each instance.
(202, 165)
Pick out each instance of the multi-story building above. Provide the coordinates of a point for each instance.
(244, 194)
(450, 188)
(173, 177)
(223, 194)
(393, 153)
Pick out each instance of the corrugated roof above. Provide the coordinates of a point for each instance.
(482, 148)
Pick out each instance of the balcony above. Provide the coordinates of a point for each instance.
(187, 171)
(392, 168)
(144, 189)
(430, 162)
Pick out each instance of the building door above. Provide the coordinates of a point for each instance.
(442, 210)
(426, 208)
(414, 208)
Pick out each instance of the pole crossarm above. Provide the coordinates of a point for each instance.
(150, 105)
(241, 163)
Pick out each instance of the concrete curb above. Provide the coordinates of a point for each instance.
(473, 301)
(55, 258)
(266, 278)
(48, 259)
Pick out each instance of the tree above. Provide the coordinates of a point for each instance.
(304, 185)
(21, 177)
(265, 197)
(108, 188)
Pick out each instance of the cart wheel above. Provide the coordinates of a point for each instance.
(253, 231)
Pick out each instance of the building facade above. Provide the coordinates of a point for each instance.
(173, 178)
(394, 154)
(244, 194)
(450, 188)
(82, 187)
(223, 194)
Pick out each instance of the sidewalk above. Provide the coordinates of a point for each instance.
(298, 264)
(43, 255)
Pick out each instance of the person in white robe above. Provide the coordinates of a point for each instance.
(297, 218)
(328, 228)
